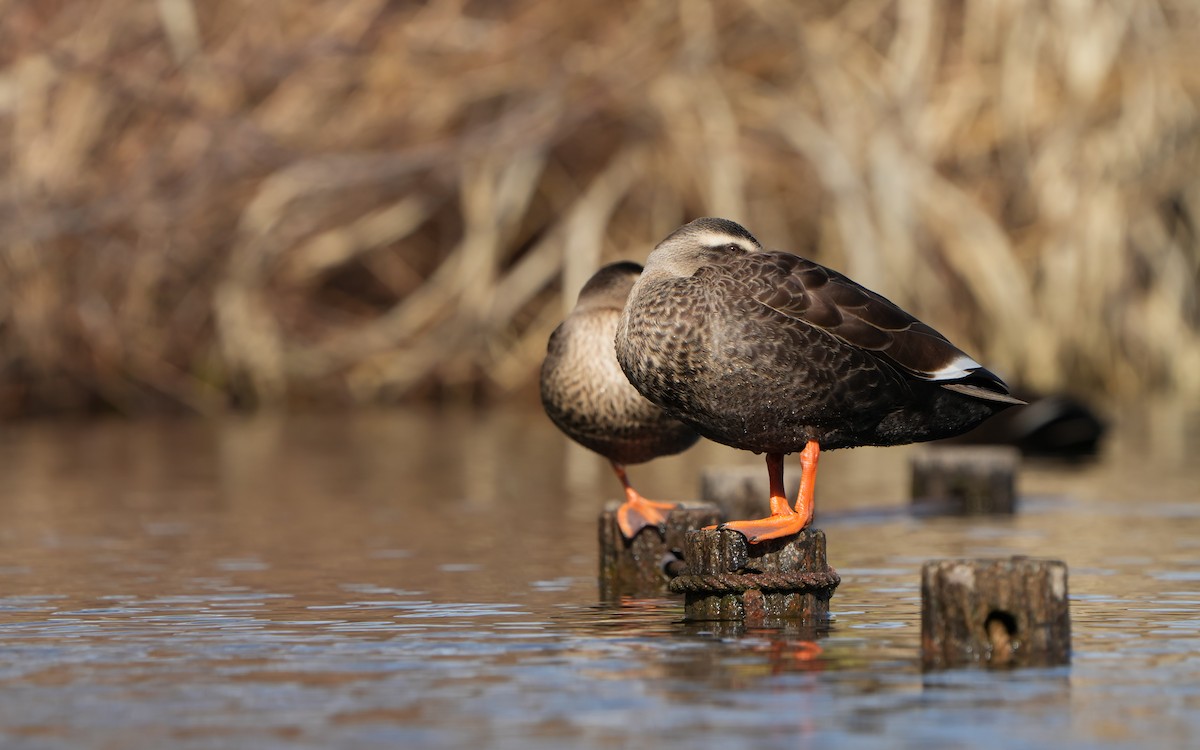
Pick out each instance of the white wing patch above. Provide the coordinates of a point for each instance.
(959, 367)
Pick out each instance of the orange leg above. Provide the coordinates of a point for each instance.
(784, 521)
(637, 512)
(808, 480)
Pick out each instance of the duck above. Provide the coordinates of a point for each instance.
(587, 396)
(769, 352)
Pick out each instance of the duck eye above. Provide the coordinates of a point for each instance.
(733, 247)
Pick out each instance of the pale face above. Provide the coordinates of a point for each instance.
(695, 244)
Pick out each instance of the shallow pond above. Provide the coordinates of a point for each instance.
(427, 580)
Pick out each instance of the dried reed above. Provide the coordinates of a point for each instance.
(360, 200)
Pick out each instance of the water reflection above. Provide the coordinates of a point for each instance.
(428, 580)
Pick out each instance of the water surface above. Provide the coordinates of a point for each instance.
(422, 579)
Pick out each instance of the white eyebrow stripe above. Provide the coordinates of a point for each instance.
(711, 237)
(960, 367)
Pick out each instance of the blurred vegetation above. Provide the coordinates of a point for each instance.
(352, 201)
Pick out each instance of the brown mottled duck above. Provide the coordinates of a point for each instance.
(585, 393)
(772, 353)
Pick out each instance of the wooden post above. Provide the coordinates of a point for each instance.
(965, 480)
(643, 566)
(996, 613)
(768, 584)
(742, 491)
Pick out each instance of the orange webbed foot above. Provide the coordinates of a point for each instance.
(636, 513)
(774, 526)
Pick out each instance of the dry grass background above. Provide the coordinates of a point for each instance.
(280, 202)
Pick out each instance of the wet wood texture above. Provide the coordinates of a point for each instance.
(965, 480)
(996, 613)
(642, 566)
(769, 584)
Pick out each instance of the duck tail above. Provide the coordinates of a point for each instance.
(985, 394)
(985, 385)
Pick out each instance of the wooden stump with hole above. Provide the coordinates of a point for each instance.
(965, 480)
(742, 491)
(644, 565)
(769, 584)
(995, 613)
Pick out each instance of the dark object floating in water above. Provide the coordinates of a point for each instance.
(587, 396)
(772, 353)
(1056, 426)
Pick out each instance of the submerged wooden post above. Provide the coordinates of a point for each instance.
(965, 480)
(742, 491)
(643, 566)
(768, 584)
(996, 613)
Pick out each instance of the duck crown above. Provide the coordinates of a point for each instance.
(609, 286)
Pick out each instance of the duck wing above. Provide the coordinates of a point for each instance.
(825, 299)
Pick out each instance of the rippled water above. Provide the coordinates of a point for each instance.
(428, 580)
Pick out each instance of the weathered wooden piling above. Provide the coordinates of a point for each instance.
(965, 480)
(643, 566)
(997, 613)
(741, 491)
(768, 584)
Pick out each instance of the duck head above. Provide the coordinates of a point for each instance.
(696, 244)
(609, 286)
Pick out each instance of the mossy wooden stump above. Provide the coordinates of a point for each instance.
(995, 613)
(965, 480)
(769, 584)
(742, 491)
(642, 566)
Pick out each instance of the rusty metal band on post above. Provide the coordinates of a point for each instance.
(735, 583)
